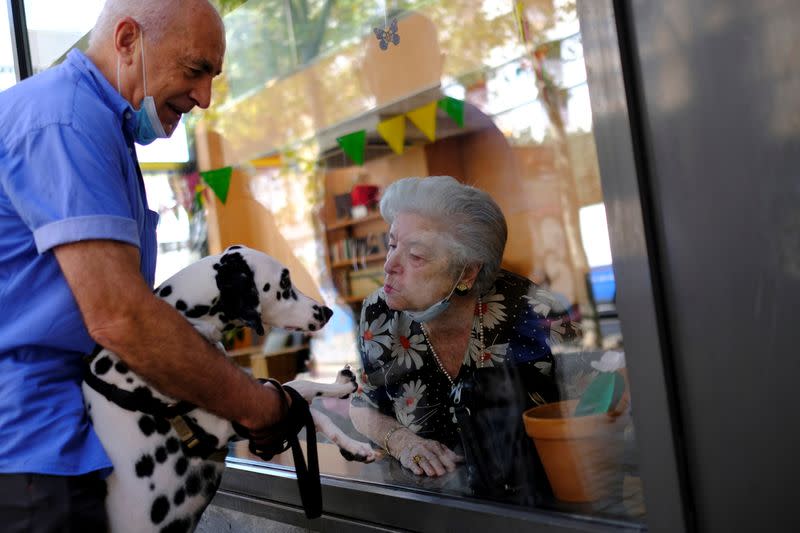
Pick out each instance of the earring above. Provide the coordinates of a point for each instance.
(462, 289)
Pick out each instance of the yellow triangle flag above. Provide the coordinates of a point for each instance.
(393, 132)
(270, 161)
(424, 118)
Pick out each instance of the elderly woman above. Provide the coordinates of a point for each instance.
(445, 316)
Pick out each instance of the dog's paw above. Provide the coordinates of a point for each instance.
(360, 451)
(346, 377)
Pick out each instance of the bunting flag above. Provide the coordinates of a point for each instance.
(454, 108)
(220, 181)
(424, 118)
(354, 145)
(393, 132)
(269, 161)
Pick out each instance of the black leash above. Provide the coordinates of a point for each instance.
(282, 436)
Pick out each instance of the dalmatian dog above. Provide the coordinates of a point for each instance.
(168, 456)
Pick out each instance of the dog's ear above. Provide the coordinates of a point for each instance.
(238, 294)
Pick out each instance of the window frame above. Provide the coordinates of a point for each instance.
(19, 39)
(382, 508)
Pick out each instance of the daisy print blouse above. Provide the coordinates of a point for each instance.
(400, 377)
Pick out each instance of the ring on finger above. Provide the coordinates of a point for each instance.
(417, 459)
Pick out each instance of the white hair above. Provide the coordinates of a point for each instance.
(469, 215)
(154, 17)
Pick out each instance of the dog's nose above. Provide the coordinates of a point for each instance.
(327, 313)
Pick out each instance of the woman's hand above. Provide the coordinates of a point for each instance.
(423, 456)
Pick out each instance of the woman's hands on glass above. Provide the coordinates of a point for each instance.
(423, 456)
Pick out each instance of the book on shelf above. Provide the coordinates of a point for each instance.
(359, 247)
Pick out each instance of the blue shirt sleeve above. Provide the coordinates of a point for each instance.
(69, 186)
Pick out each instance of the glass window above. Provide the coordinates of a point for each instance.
(56, 27)
(181, 229)
(8, 73)
(319, 114)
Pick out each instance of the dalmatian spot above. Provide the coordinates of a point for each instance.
(180, 305)
(147, 425)
(102, 365)
(181, 525)
(159, 510)
(197, 311)
(129, 380)
(145, 466)
(209, 472)
(234, 247)
(142, 395)
(312, 327)
(173, 445)
(181, 465)
(193, 484)
(166, 291)
(161, 454)
(278, 295)
(89, 407)
(162, 426)
(152, 487)
(266, 287)
(121, 367)
(238, 295)
(180, 496)
(286, 281)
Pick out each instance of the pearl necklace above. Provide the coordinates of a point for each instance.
(480, 337)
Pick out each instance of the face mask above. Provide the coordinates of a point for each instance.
(148, 126)
(436, 309)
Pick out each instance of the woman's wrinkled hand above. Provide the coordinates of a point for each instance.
(424, 456)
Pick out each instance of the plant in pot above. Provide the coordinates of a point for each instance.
(580, 441)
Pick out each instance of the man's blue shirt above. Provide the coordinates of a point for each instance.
(68, 173)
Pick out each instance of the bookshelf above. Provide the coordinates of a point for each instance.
(356, 253)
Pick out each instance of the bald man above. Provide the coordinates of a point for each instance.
(78, 252)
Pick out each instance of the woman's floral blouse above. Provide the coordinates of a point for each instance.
(400, 377)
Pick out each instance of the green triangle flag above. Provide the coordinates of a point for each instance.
(454, 108)
(353, 145)
(220, 181)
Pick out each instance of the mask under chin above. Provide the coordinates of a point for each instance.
(431, 312)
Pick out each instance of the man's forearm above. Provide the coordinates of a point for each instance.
(123, 315)
(163, 348)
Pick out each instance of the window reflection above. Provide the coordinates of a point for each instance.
(8, 74)
(55, 27)
(526, 140)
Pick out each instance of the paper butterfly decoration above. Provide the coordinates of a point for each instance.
(387, 35)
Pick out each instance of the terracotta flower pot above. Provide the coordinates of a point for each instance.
(581, 455)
